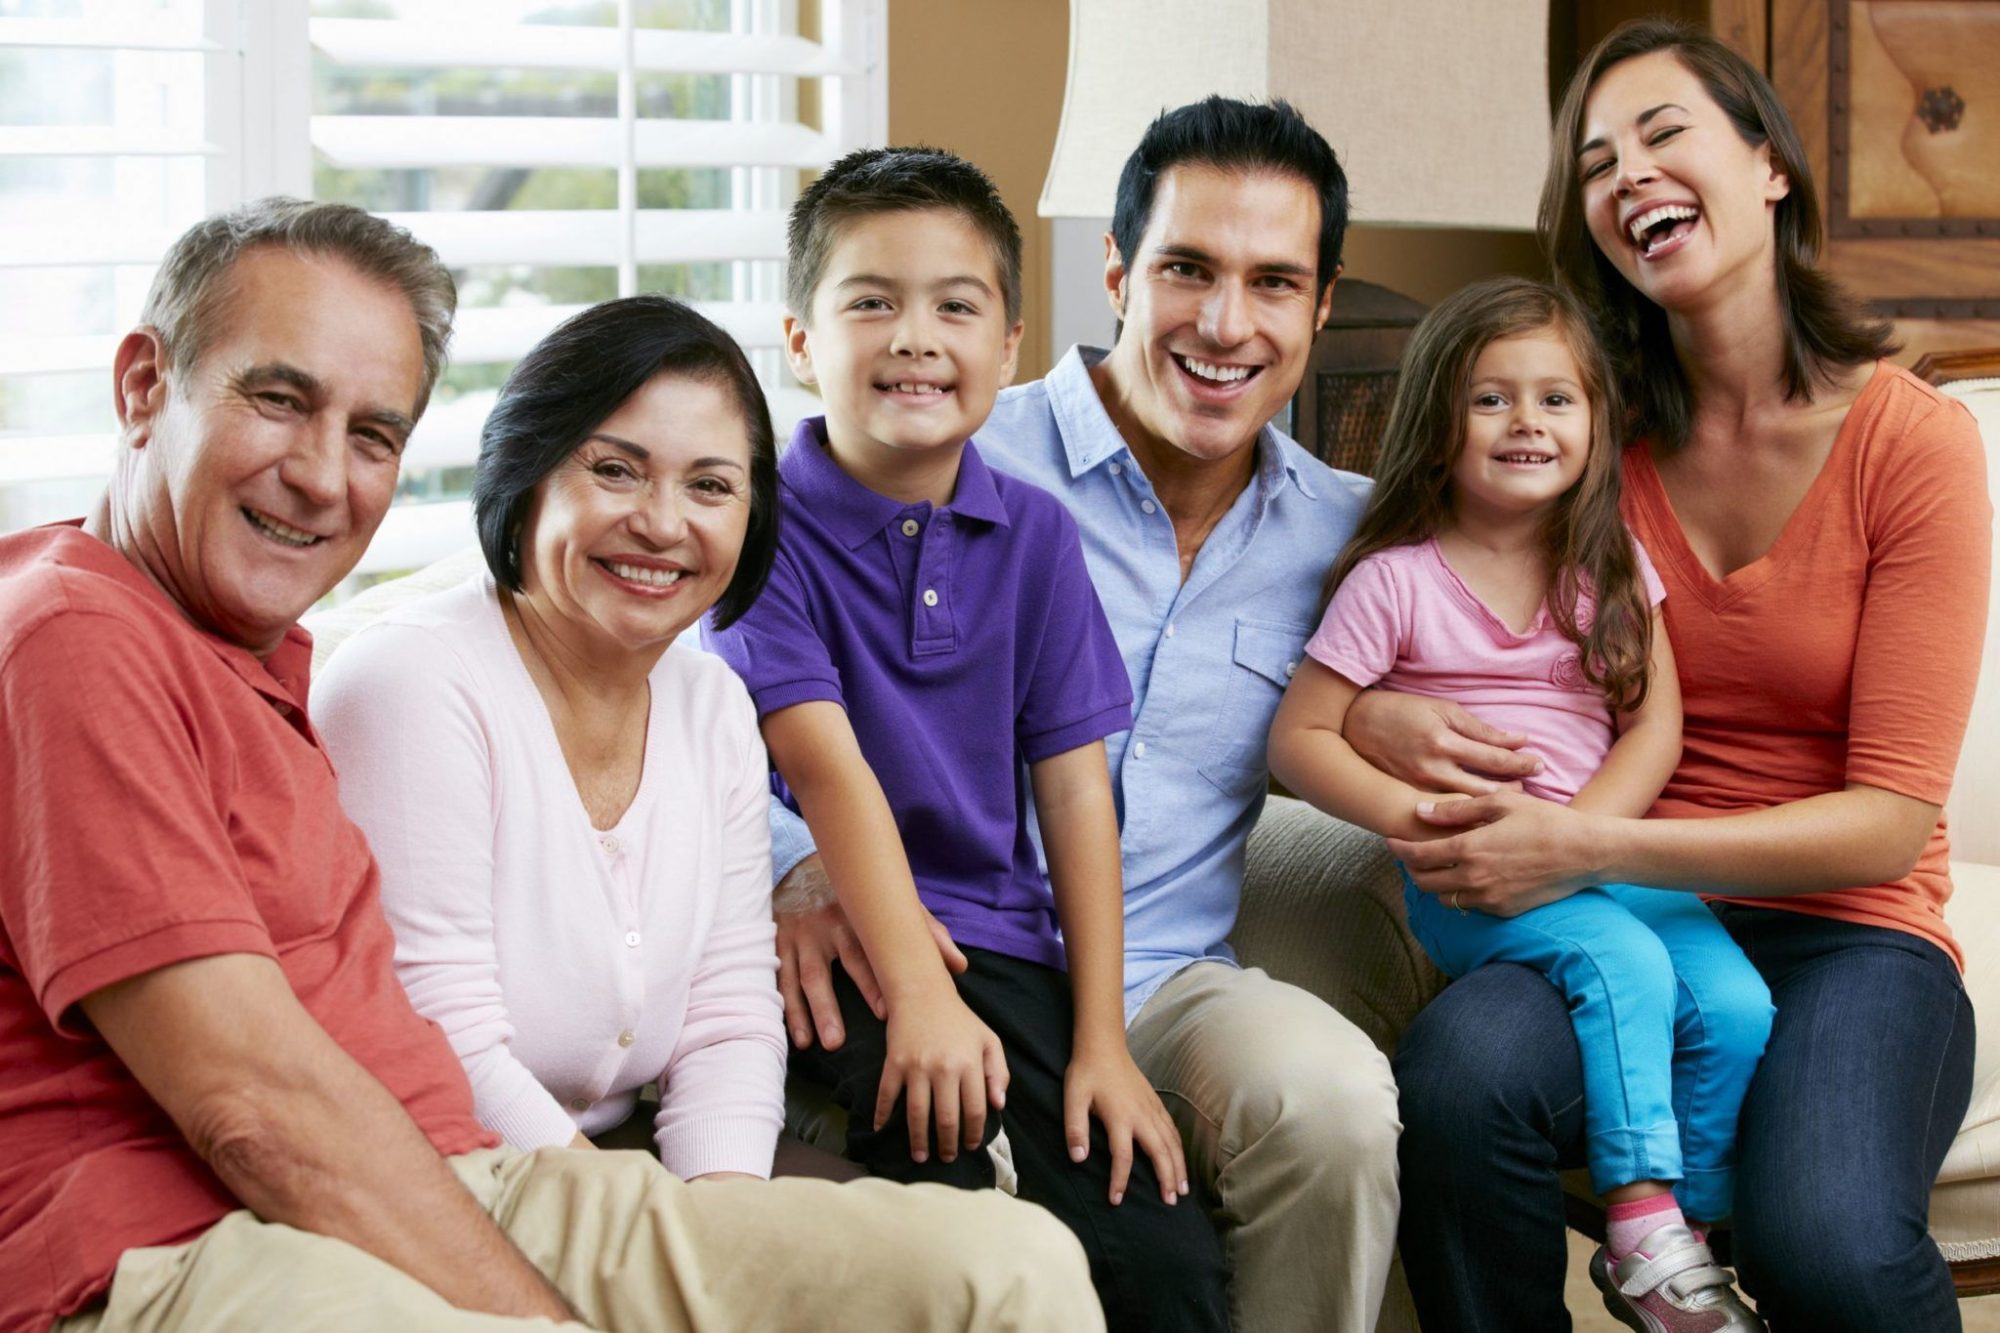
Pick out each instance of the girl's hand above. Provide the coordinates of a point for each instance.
(1514, 853)
(1435, 745)
(1110, 1087)
(941, 1060)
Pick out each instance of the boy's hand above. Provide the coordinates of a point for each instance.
(941, 1060)
(812, 933)
(1110, 1087)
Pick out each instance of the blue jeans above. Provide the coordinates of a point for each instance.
(1863, 1086)
(1669, 1016)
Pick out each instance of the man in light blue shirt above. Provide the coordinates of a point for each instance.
(1207, 533)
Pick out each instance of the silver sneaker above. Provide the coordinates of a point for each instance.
(1680, 1289)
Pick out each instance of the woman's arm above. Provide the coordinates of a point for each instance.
(722, 1094)
(1648, 748)
(1314, 761)
(399, 712)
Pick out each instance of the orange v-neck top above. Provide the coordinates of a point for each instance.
(1848, 652)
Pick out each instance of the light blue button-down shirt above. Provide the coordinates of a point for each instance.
(1208, 658)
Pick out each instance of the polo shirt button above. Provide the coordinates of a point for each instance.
(1148, 506)
(911, 527)
(579, 1103)
(1139, 749)
(930, 596)
(631, 939)
(627, 1037)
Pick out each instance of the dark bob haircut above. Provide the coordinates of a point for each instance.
(871, 181)
(1825, 331)
(1232, 135)
(576, 377)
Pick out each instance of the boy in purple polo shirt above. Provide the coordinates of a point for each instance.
(927, 651)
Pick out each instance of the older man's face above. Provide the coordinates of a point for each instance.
(263, 472)
(1220, 307)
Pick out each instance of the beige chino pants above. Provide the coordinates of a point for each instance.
(633, 1248)
(1289, 1114)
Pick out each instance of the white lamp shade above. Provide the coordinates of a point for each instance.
(1438, 108)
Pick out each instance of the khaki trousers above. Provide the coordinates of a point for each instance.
(633, 1248)
(1289, 1112)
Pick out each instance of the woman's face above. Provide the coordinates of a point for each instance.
(637, 533)
(1673, 196)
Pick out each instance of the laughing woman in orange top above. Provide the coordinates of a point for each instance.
(1821, 523)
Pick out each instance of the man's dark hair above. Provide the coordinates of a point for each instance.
(1231, 135)
(579, 375)
(895, 180)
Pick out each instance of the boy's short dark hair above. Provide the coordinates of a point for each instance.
(1233, 135)
(895, 180)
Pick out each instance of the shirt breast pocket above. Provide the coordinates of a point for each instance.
(1264, 656)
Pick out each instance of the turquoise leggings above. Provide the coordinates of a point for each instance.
(1670, 1016)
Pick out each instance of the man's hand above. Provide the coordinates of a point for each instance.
(941, 1060)
(1436, 745)
(812, 933)
(1109, 1086)
(1512, 853)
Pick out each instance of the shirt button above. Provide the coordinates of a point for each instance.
(911, 527)
(579, 1103)
(930, 596)
(1170, 629)
(1117, 469)
(627, 1037)
(631, 939)
(1148, 506)
(1139, 749)
(1291, 669)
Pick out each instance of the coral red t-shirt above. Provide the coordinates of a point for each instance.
(163, 797)
(1848, 652)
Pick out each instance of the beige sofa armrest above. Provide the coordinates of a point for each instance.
(1323, 909)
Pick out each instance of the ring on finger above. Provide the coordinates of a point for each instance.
(1453, 900)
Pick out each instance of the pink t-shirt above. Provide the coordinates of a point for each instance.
(1405, 620)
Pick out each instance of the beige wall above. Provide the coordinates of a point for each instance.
(984, 78)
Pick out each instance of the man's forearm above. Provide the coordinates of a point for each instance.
(303, 1135)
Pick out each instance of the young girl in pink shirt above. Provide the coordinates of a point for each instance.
(1492, 569)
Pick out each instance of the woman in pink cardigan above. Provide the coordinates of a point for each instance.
(569, 807)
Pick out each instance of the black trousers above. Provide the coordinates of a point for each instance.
(1157, 1267)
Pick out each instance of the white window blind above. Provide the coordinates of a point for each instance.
(560, 154)
(554, 152)
(121, 123)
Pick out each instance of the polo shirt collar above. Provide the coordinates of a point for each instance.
(852, 512)
(1090, 438)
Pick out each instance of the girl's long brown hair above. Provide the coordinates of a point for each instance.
(1584, 538)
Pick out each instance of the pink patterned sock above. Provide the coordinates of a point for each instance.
(1626, 1224)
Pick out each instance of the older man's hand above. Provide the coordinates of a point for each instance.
(812, 934)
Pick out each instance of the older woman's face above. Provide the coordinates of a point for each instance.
(637, 532)
(1673, 196)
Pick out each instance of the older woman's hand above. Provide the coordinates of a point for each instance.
(812, 933)
(1516, 852)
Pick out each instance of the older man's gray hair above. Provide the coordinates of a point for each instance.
(191, 289)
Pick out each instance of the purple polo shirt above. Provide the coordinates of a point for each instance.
(962, 641)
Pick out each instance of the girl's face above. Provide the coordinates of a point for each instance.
(1527, 428)
(1672, 195)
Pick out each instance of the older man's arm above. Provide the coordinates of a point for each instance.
(302, 1134)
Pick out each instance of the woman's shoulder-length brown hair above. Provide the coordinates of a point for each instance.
(1825, 331)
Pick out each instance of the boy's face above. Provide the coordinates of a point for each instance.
(908, 337)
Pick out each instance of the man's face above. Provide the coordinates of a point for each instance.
(259, 475)
(1220, 307)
